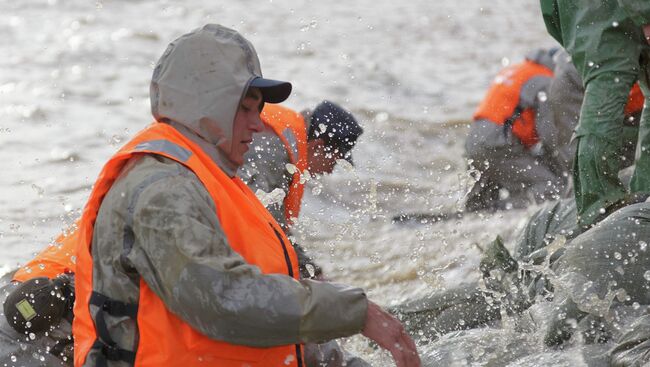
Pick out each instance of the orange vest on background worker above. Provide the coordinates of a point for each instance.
(290, 127)
(635, 101)
(501, 102)
(165, 339)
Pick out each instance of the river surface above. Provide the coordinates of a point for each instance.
(74, 82)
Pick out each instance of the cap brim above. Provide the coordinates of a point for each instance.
(273, 91)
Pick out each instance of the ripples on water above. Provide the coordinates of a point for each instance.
(74, 87)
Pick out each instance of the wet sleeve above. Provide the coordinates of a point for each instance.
(551, 16)
(484, 137)
(534, 92)
(182, 254)
(638, 10)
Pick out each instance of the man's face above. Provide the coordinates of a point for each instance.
(247, 122)
(322, 158)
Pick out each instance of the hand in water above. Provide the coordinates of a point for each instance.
(389, 333)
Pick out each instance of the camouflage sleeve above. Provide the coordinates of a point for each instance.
(183, 255)
(484, 137)
(638, 10)
(265, 169)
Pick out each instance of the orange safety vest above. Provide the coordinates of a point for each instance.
(290, 127)
(635, 100)
(165, 339)
(501, 103)
(56, 259)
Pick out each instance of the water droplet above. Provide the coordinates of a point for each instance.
(643, 245)
(115, 140)
(310, 269)
(32, 336)
(292, 169)
(614, 24)
(646, 275)
(381, 117)
(542, 96)
(39, 190)
(316, 190)
(617, 255)
(304, 177)
(13, 358)
(290, 358)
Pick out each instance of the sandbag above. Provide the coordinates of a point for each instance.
(603, 268)
(633, 348)
(554, 218)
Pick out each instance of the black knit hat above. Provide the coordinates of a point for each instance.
(340, 129)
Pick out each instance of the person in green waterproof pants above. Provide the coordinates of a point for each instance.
(608, 45)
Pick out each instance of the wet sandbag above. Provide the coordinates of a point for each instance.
(604, 267)
(554, 218)
(595, 355)
(485, 347)
(471, 304)
(463, 307)
(633, 348)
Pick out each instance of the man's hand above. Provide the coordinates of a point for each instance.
(389, 333)
(646, 33)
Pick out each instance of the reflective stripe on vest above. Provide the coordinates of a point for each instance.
(290, 127)
(502, 100)
(165, 339)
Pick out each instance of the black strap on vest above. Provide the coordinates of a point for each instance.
(287, 258)
(58, 348)
(508, 124)
(109, 351)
